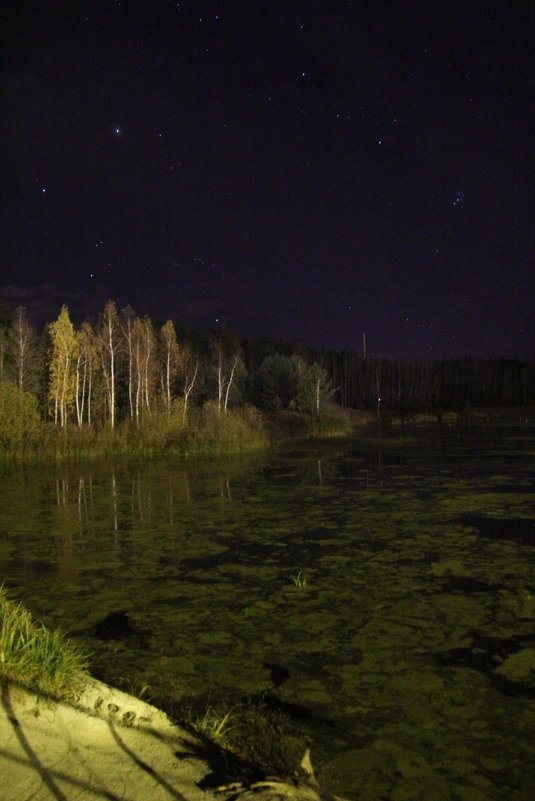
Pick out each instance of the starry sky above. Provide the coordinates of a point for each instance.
(315, 169)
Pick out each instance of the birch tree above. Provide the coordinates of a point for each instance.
(143, 370)
(137, 345)
(86, 366)
(22, 349)
(190, 372)
(149, 362)
(61, 390)
(171, 360)
(127, 325)
(226, 369)
(109, 336)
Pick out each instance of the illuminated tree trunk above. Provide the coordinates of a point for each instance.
(189, 383)
(148, 363)
(109, 337)
(80, 396)
(137, 368)
(229, 382)
(171, 355)
(128, 324)
(225, 374)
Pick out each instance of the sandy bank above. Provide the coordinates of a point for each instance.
(106, 744)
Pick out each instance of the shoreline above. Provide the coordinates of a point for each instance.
(106, 744)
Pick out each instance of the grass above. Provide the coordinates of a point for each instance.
(213, 724)
(34, 656)
(205, 432)
(300, 581)
(255, 733)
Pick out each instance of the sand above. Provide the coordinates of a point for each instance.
(104, 745)
(108, 745)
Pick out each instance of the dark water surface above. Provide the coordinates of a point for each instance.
(409, 656)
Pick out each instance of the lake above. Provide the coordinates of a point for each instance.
(379, 589)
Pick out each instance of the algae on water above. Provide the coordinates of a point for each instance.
(405, 657)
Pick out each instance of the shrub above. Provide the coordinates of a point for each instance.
(19, 420)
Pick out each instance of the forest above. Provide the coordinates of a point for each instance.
(124, 370)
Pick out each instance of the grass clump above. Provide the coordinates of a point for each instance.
(34, 656)
(256, 733)
(300, 581)
(213, 724)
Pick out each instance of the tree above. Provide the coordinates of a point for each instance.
(129, 316)
(143, 345)
(62, 390)
(227, 365)
(6, 318)
(236, 381)
(137, 367)
(171, 360)
(315, 389)
(22, 350)
(149, 361)
(189, 367)
(275, 384)
(86, 366)
(109, 336)
(19, 419)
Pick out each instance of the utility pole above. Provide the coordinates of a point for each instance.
(364, 346)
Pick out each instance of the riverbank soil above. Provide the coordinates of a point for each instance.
(103, 745)
(107, 745)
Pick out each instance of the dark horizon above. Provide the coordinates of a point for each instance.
(283, 169)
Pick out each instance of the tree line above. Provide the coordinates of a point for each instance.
(449, 384)
(122, 366)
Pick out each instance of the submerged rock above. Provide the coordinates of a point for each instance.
(115, 626)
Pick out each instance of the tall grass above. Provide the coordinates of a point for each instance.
(34, 656)
(206, 431)
(332, 422)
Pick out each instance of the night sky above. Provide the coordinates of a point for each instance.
(310, 169)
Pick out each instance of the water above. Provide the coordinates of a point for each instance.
(409, 655)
